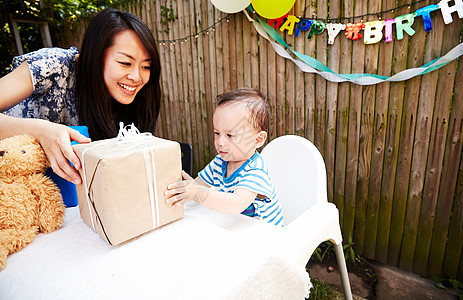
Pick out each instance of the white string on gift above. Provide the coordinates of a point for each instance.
(129, 138)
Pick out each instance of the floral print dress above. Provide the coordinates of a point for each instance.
(53, 80)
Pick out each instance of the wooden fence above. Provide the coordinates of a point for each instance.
(392, 150)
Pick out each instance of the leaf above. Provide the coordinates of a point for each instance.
(440, 285)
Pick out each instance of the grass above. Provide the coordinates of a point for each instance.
(323, 291)
(357, 264)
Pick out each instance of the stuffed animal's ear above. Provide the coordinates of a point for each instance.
(22, 154)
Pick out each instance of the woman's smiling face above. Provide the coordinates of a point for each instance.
(126, 67)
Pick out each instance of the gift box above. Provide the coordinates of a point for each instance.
(124, 180)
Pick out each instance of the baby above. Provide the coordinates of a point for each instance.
(237, 180)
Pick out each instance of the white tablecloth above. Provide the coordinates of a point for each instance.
(205, 255)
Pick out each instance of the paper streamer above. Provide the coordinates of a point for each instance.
(311, 65)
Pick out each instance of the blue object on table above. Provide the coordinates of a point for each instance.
(67, 189)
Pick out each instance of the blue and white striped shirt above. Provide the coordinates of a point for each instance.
(254, 176)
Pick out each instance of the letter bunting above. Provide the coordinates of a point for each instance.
(373, 31)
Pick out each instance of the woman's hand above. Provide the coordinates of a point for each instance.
(56, 142)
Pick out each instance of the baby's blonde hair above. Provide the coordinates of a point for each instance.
(251, 100)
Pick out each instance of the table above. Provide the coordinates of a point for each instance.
(204, 255)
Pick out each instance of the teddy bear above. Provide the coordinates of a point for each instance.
(29, 201)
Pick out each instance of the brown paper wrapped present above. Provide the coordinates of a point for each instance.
(124, 179)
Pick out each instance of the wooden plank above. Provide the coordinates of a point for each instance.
(363, 216)
(454, 244)
(232, 43)
(183, 70)
(280, 95)
(165, 75)
(225, 26)
(396, 97)
(310, 92)
(436, 156)
(320, 82)
(209, 151)
(263, 71)
(421, 146)
(334, 58)
(379, 130)
(186, 74)
(454, 249)
(174, 89)
(189, 60)
(203, 129)
(330, 135)
(246, 50)
(220, 52)
(172, 83)
(415, 59)
(239, 36)
(210, 34)
(195, 92)
(272, 89)
(299, 76)
(450, 168)
(151, 25)
(161, 128)
(446, 195)
(321, 86)
(338, 112)
(353, 132)
(290, 95)
(182, 85)
(254, 54)
(460, 270)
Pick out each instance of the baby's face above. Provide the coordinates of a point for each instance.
(234, 137)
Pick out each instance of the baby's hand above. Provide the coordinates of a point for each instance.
(180, 192)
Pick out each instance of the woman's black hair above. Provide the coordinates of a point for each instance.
(95, 106)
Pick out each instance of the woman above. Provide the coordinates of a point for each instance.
(114, 78)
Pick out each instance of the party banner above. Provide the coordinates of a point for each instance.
(311, 65)
(371, 32)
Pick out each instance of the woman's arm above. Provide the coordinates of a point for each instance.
(15, 87)
(54, 138)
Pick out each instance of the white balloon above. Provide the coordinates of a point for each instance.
(231, 6)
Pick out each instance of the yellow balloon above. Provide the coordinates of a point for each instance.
(272, 9)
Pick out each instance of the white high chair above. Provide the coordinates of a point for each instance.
(298, 170)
